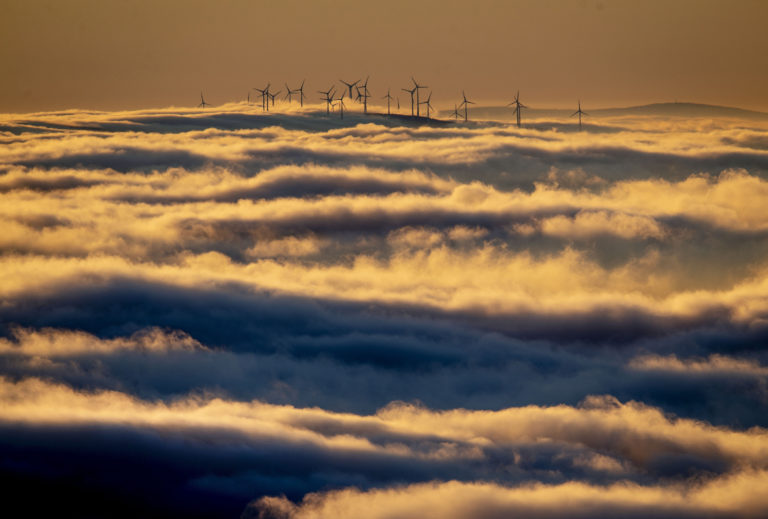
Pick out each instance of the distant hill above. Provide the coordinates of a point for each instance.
(656, 110)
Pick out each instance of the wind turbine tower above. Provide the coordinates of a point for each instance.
(417, 87)
(202, 104)
(264, 97)
(428, 103)
(518, 108)
(580, 112)
(389, 98)
(300, 90)
(288, 93)
(328, 99)
(412, 91)
(273, 96)
(341, 105)
(465, 103)
(364, 94)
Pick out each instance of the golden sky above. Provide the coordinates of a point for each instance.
(130, 54)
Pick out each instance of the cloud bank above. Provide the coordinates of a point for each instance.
(290, 315)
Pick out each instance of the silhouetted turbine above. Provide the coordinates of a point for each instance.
(417, 87)
(350, 85)
(412, 92)
(264, 96)
(202, 104)
(328, 99)
(273, 96)
(301, 93)
(465, 103)
(364, 94)
(428, 103)
(580, 112)
(341, 105)
(389, 98)
(518, 108)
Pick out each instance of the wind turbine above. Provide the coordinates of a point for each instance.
(518, 107)
(273, 96)
(341, 105)
(455, 112)
(264, 96)
(412, 92)
(389, 98)
(202, 104)
(299, 91)
(350, 85)
(580, 112)
(364, 94)
(465, 103)
(428, 103)
(328, 99)
(288, 93)
(249, 98)
(417, 87)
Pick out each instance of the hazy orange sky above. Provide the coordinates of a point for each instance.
(130, 54)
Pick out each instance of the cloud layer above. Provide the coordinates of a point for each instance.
(382, 316)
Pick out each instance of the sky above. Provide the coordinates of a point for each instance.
(136, 54)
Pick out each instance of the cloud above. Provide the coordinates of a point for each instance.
(736, 495)
(585, 224)
(714, 364)
(206, 308)
(626, 445)
(639, 435)
(54, 343)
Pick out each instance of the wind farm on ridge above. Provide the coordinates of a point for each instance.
(422, 108)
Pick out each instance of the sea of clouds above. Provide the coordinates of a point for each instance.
(224, 313)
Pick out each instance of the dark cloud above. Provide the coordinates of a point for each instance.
(122, 159)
